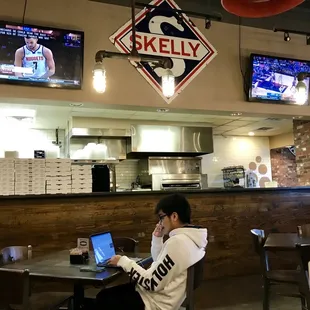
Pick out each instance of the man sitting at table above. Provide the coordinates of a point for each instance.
(163, 285)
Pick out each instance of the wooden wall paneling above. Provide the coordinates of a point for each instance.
(51, 224)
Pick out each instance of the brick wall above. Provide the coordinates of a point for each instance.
(302, 144)
(283, 167)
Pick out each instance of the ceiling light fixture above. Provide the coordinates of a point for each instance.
(208, 23)
(76, 104)
(251, 133)
(301, 95)
(162, 110)
(99, 72)
(287, 33)
(168, 84)
(99, 78)
(287, 37)
(18, 112)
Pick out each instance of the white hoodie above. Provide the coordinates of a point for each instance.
(163, 285)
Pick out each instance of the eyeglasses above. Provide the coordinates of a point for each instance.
(161, 216)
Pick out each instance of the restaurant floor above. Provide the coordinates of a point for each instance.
(240, 293)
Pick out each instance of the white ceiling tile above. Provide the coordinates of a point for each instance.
(240, 123)
(223, 117)
(227, 127)
(251, 119)
(57, 116)
(215, 131)
(221, 122)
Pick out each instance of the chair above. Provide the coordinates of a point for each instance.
(303, 251)
(272, 277)
(194, 279)
(125, 244)
(16, 288)
(12, 254)
(305, 230)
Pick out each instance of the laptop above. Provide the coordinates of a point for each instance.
(104, 249)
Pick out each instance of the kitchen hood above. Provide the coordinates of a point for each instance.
(171, 141)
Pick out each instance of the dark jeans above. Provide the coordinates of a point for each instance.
(121, 297)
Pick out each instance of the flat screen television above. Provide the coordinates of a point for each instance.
(41, 56)
(274, 79)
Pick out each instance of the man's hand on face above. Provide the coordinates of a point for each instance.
(158, 231)
(114, 260)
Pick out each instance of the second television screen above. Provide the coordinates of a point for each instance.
(275, 79)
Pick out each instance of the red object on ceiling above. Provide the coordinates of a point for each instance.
(259, 8)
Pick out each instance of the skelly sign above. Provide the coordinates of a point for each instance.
(163, 33)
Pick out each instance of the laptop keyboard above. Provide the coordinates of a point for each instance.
(105, 263)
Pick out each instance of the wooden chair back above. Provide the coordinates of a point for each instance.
(303, 251)
(259, 239)
(14, 254)
(125, 244)
(16, 288)
(305, 230)
(195, 275)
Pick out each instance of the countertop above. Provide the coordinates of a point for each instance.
(234, 191)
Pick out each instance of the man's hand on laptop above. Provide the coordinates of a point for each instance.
(114, 260)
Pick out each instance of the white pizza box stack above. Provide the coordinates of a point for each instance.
(58, 176)
(7, 176)
(82, 180)
(29, 176)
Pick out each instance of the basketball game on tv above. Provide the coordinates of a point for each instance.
(32, 55)
(275, 79)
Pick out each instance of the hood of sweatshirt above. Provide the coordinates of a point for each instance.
(197, 234)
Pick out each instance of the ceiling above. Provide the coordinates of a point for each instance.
(51, 117)
(296, 19)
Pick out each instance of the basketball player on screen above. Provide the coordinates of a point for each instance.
(37, 57)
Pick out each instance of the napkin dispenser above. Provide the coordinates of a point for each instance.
(78, 256)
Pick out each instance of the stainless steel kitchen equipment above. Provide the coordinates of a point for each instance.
(176, 173)
(168, 182)
(171, 141)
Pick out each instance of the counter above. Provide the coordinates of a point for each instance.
(152, 192)
(54, 222)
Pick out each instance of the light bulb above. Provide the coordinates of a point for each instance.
(168, 84)
(99, 78)
(301, 95)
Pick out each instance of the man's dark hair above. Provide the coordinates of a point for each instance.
(236, 181)
(175, 203)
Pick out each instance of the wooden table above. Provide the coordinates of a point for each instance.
(285, 241)
(57, 266)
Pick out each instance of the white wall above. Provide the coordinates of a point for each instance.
(235, 151)
(16, 136)
(281, 140)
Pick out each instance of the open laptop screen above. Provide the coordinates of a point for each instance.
(103, 247)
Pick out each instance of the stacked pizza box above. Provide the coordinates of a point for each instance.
(82, 181)
(58, 176)
(7, 176)
(29, 176)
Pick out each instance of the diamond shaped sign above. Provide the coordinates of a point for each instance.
(162, 32)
